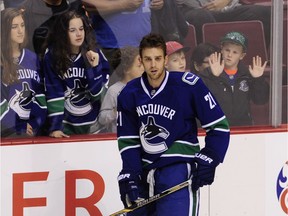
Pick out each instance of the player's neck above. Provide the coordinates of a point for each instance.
(156, 81)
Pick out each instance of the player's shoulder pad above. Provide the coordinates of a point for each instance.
(131, 86)
(190, 78)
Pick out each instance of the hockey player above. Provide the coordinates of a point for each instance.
(23, 103)
(157, 135)
(75, 74)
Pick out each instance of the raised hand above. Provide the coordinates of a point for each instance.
(257, 69)
(216, 64)
(93, 58)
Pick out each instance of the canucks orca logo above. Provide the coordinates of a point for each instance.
(153, 137)
(20, 101)
(76, 99)
(282, 188)
(244, 86)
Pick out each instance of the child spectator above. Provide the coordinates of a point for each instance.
(176, 56)
(75, 73)
(129, 68)
(232, 83)
(23, 103)
(115, 25)
(200, 56)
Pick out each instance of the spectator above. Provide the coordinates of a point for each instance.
(176, 56)
(42, 32)
(120, 23)
(232, 83)
(200, 56)
(157, 135)
(23, 103)
(38, 12)
(198, 13)
(129, 68)
(74, 75)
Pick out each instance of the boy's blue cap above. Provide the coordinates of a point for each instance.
(236, 37)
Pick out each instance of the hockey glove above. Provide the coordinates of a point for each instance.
(128, 185)
(206, 163)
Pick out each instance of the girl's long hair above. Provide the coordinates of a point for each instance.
(61, 48)
(8, 67)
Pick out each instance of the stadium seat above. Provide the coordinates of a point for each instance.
(260, 113)
(190, 41)
(213, 32)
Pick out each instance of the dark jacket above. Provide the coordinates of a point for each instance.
(235, 101)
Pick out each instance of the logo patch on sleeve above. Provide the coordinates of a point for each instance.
(190, 78)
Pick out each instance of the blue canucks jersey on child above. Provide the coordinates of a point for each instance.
(23, 101)
(74, 101)
(167, 121)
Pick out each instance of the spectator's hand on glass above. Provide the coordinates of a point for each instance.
(216, 64)
(58, 134)
(93, 58)
(216, 5)
(257, 69)
(29, 130)
(156, 4)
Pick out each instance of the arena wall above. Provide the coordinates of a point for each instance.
(78, 176)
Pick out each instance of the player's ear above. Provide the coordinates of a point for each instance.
(139, 62)
(166, 60)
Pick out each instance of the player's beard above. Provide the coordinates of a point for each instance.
(156, 79)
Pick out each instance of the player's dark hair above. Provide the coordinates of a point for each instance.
(152, 40)
(61, 48)
(128, 55)
(9, 68)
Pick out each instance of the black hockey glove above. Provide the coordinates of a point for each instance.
(206, 163)
(128, 185)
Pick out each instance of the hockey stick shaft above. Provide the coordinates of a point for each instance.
(152, 198)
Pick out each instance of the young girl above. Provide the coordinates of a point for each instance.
(75, 73)
(23, 104)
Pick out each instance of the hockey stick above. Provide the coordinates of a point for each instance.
(151, 199)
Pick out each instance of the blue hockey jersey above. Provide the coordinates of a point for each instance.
(74, 101)
(157, 127)
(24, 101)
